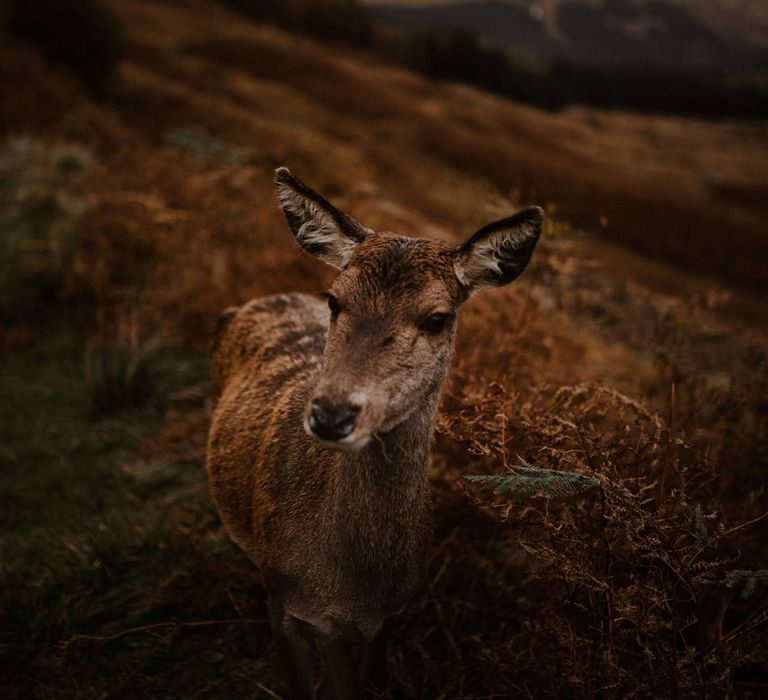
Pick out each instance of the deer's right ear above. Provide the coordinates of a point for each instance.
(320, 228)
(498, 252)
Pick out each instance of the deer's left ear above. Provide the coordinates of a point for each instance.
(320, 228)
(498, 252)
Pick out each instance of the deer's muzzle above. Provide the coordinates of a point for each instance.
(332, 422)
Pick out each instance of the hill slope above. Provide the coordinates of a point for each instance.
(699, 184)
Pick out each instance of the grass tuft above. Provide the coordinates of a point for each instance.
(153, 372)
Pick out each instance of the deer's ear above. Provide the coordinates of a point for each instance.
(498, 252)
(319, 228)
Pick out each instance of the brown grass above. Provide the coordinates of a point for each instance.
(625, 591)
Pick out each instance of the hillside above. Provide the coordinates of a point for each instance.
(633, 350)
(604, 171)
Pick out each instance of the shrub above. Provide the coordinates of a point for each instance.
(43, 199)
(82, 35)
(646, 589)
(343, 20)
(332, 20)
(459, 55)
(450, 54)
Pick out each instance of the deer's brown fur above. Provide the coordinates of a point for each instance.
(339, 530)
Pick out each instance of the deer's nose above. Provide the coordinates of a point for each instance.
(332, 421)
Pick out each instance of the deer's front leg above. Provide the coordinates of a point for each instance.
(350, 652)
(344, 659)
(295, 652)
(375, 670)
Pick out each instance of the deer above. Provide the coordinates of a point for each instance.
(323, 424)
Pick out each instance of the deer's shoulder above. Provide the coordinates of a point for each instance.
(282, 332)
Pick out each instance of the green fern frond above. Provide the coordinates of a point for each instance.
(750, 579)
(527, 482)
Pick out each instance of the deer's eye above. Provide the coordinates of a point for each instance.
(434, 324)
(333, 305)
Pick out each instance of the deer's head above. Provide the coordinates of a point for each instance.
(392, 309)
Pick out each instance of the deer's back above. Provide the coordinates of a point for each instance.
(265, 355)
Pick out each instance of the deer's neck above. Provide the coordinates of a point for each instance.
(386, 481)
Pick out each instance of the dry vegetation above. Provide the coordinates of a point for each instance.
(118, 578)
